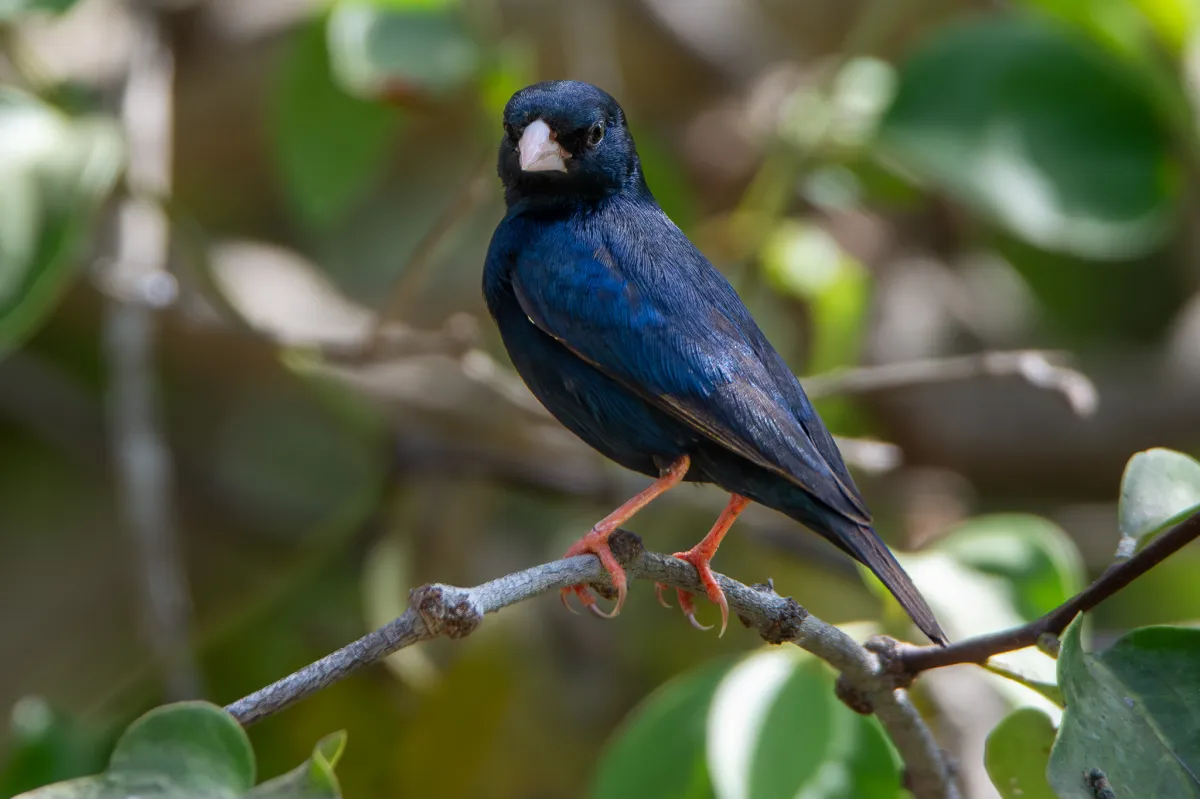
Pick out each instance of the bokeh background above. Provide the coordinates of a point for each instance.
(218, 466)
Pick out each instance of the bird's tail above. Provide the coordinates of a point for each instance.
(862, 542)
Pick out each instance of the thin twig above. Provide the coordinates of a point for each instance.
(443, 610)
(915, 659)
(468, 195)
(1036, 367)
(137, 282)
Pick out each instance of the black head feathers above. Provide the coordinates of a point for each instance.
(565, 142)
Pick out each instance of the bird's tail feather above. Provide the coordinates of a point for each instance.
(863, 543)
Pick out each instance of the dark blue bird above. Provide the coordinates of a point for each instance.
(639, 346)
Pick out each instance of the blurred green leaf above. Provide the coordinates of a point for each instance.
(510, 69)
(1132, 711)
(330, 146)
(776, 730)
(804, 261)
(994, 572)
(1041, 130)
(54, 173)
(1017, 753)
(1159, 489)
(11, 9)
(195, 749)
(47, 746)
(659, 749)
(400, 51)
(386, 581)
(1123, 25)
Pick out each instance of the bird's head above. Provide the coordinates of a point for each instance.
(565, 142)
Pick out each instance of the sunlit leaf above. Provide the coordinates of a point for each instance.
(1132, 711)
(1017, 753)
(1012, 116)
(1159, 489)
(400, 51)
(776, 730)
(330, 146)
(659, 749)
(54, 172)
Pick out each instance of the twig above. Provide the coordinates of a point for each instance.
(1036, 367)
(914, 659)
(443, 610)
(469, 193)
(137, 282)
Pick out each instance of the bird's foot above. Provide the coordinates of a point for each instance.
(699, 559)
(596, 543)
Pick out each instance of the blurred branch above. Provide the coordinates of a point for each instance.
(914, 659)
(1036, 367)
(137, 282)
(441, 610)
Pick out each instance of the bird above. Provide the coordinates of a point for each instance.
(638, 345)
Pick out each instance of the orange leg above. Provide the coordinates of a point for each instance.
(596, 541)
(699, 556)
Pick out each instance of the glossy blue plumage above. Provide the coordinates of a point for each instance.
(638, 345)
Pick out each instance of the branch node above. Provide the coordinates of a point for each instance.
(782, 626)
(852, 696)
(891, 662)
(446, 610)
(626, 546)
(1049, 644)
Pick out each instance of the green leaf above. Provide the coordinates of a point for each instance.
(1132, 711)
(400, 51)
(54, 172)
(1012, 117)
(776, 730)
(1017, 753)
(185, 749)
(1159, 489)
(999, 571)
(330, 146)
(11, 9)
(195, 749)
(47, 746)
(311, 780)
(659, 748)
(804, 261)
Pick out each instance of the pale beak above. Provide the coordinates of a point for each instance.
(539, 151)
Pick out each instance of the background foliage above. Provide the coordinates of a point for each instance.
(882, 181)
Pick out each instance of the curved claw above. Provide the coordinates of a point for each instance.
(691, 617)
(715, 594)
(565, 595)
(595, 610)
(658, 592)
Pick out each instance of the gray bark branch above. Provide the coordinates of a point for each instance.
(443, 610)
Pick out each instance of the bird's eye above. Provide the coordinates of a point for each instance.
(508, 130)
(595, 134)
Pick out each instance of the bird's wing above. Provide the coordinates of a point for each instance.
(682, 340)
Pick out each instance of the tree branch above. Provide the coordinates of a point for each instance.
(912, 660)
(138, 282)
(443, 610)
(1036, 367)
